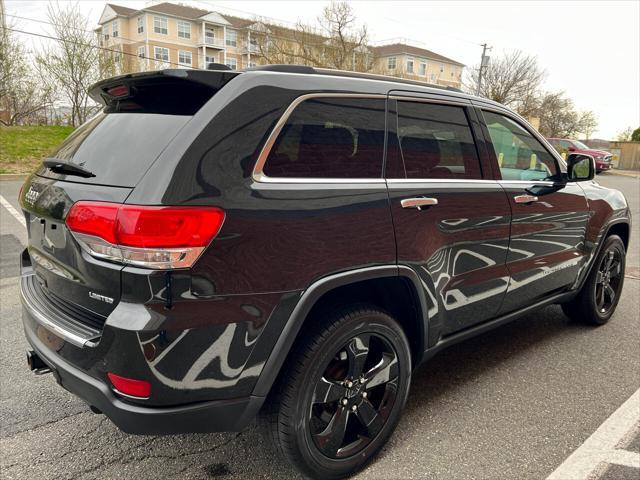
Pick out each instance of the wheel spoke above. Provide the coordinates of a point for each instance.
(600, 296)
(357, 352)
(370, 418)
(599, 276)
(610, 257)
(330, 439)
(610, 293)
(614, 270)
(327, 391)
(385, 370)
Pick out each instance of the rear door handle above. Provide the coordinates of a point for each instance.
(525, 198)
(418, 202)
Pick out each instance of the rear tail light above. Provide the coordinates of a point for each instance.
(152, 237)
(129, 386)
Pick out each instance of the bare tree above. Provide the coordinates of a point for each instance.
(625, 135)
(587, 124)
(22, 95)
(336, 41)
(558, 116)
(513, 80)
(71, 64)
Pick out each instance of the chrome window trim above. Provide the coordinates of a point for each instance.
(396, 181)
(258, 174)
(442, 101)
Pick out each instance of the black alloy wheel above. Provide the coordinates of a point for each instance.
(354, 396)
(608, 280)
(596, 302)
(342, 392)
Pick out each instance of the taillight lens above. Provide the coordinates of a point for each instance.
(148, 236)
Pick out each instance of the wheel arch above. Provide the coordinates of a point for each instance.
(620, 227)
(392, 288)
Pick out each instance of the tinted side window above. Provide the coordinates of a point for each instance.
(436, 141)
(520, 156)
(331, 138)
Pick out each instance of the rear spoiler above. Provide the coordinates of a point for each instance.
(139, 91)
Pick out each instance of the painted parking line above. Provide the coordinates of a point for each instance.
(12, 211)
(601, 446)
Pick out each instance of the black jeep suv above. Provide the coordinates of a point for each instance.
(292, 242)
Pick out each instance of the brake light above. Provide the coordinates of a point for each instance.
(148, 236)
(130, 386)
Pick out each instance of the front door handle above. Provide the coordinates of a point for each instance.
(525, 198)
(418, 202)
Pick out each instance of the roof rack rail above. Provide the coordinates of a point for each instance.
(345, 73)
(282, 68)
(386, 78)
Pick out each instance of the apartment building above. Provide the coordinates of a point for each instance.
(171, 35)
(174, 35)
(406, 61)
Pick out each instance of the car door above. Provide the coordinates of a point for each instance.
(451, 223)
(548, 215)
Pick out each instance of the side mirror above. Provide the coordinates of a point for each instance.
(571, 149)
(580, 167)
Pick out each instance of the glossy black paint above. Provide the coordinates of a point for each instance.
(223, 329)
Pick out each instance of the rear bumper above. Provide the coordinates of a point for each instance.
(213, 416)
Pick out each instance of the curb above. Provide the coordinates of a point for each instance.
(13, 176)
(625, 173)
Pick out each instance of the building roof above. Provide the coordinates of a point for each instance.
(177, 10)
(120, 10)
(402, 48)
(237, 22)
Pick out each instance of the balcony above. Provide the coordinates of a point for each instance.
(212, 42)
(251, 48)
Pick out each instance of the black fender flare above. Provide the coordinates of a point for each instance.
(311, 295)
(604, 233)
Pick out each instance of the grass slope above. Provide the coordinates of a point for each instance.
(23, 148)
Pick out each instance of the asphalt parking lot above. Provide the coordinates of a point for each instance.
(536, 398)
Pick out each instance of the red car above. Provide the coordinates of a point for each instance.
(602, 158)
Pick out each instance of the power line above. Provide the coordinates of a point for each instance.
(96, 47)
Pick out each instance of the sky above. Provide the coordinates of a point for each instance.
(589, 49)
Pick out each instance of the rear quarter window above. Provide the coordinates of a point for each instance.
(330, 138)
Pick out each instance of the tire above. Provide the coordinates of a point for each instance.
(594, 303)
(305, 412)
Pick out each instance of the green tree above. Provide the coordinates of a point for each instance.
(635, 136)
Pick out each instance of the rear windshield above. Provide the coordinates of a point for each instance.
(118, 148)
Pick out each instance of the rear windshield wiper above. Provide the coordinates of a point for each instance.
(66, 168)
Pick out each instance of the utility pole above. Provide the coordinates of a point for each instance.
(484, 63)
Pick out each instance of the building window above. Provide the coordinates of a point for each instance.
(141, 52)
(441, 67)
(423, 68)
(391, 63)
(232, 38)
(116, 57)
(114, 28)
(232, 63)
(410, 65)
(161, 54)
(184, 58)
(161, 25)
(140, 24)
(209, 60)
(184, 29)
